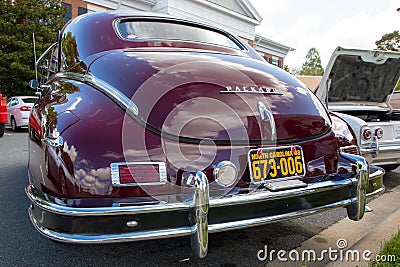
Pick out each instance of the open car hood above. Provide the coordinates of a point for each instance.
(364, 77)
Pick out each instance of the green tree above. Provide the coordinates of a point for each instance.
(312, 66)
(389, 41)
(17, 23)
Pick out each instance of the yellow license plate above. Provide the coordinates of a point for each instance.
(276, 163)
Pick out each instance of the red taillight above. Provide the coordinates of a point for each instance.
(379, 133)
(25, 108)
(139, 174)
(366, 134)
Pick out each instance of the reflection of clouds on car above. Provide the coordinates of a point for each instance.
(96, 181)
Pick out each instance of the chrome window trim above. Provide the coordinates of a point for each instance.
(44, 54)
(240, 46)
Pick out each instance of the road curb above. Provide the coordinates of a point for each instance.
(367, 235)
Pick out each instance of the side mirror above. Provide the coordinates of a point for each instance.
(33, 84)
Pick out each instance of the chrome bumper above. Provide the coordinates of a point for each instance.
(382, 154)
(199, 206)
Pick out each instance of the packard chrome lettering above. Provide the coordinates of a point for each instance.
(251, 90)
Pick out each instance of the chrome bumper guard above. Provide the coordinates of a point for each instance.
(199, 207)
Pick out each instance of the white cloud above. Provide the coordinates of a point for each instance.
(326, 25)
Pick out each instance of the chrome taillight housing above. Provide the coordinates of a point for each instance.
(379, 132)
(138, 173)
(350, 150)
(367, 134)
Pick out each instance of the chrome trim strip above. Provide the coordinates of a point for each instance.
(199, 216)
(281, 217)
(104, 87)
(254, 197)
(382, 148)
(112, 92)
(162, 169)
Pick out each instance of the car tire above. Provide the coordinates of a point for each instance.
(14, 126)
(2, 128)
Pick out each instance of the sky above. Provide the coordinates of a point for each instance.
(325, 24)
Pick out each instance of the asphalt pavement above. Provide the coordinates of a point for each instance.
(22, 245)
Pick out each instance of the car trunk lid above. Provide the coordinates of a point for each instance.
(214, 96)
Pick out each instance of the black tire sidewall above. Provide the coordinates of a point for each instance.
(13, 125)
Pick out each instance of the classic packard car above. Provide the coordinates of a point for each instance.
(151, 127)
(360, 83)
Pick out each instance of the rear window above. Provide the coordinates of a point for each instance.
(165, 30)
(29, 100)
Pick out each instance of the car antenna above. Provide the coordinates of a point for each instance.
(34, 54)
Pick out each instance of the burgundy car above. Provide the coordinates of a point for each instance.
(151, 127)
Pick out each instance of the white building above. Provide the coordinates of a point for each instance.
(237, 16)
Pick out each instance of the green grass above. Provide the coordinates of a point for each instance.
(392, 247)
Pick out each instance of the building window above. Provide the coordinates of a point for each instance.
(82, 10)
(276, 62)
(68, 16)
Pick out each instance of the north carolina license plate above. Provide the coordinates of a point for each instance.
(276, 163)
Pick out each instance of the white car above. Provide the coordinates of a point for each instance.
(357, 86)
(19, 108)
